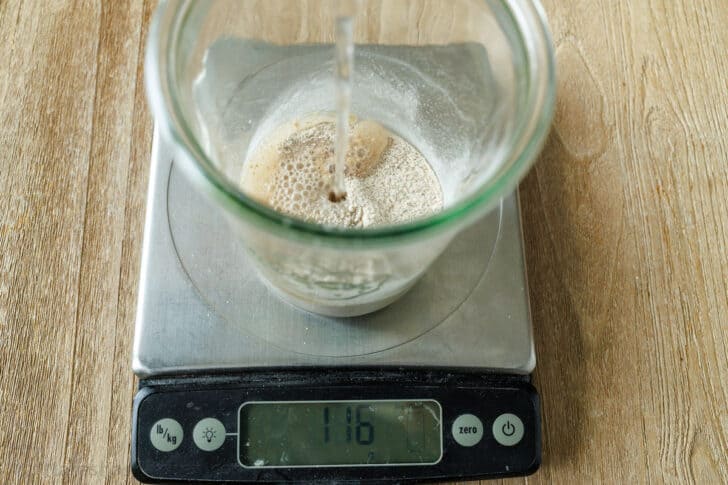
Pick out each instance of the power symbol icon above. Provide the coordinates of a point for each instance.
(508, 429)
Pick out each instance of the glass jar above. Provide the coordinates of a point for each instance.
(469, 83)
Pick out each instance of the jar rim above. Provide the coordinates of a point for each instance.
(170, 120)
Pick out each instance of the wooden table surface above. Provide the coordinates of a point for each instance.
(626, 225)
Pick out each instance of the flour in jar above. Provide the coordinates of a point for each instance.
(387, 180)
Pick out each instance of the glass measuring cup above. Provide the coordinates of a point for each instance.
(469, 83)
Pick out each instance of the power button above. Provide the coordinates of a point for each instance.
(508, 429)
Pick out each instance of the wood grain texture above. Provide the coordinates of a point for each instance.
(625, 221)
(625, 216)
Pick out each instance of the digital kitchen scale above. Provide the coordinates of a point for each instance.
(238, 386)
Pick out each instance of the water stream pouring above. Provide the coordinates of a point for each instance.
(344, 69)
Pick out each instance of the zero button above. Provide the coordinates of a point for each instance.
(467, 430)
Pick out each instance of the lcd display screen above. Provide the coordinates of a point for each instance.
(340, 433)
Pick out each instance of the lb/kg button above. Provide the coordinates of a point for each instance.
(166, 435)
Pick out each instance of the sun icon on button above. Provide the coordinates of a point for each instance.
(208, 434)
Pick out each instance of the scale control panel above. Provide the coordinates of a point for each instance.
(358, 426)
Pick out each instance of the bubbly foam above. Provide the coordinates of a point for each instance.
(387, 180)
